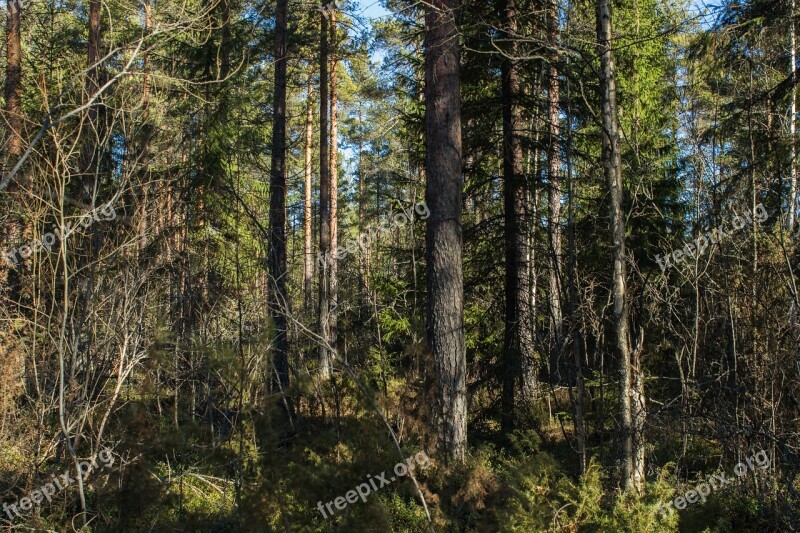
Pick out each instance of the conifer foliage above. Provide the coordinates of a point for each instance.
(454, 265)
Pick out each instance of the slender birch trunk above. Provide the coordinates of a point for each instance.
(631, 468)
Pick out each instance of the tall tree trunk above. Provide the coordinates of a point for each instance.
(225, 45)
(308, 261)
(363, 262)
(360, 168)
(89, 170)
(630, 476)
(639, 412)
(531, 367)
(13, 88)
(793, 120)
(517, 339)
(89, 166)
(147, 132)
(10, 278)
(554, 196)
(572, 274)
(14, 122)
(92, 87)
(444, 238)
(278, 299)
(334, 177)
(580, 385)
(325, 356)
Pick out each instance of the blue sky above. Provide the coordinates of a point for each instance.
(372, 8)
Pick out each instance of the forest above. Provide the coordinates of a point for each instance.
(399, 265)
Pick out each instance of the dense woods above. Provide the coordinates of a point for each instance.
(454, 265)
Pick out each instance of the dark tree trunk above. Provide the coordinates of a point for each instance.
(92, 87)
(308, 257)
(793, 121)
(325, 355)
(225, 45)
(444, 239)
(278, 301)
(14, 121)
(11, 293)
(554, 198)
(147, 132)
(13, 89)
(363, 262)
(575, 330)
(517, 339)
(333, 293)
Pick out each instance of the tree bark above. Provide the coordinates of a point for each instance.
(444, 238)
(14, 121)
(517, 339)
(225, 45)
(13, 88)
(363, 262)
(360, 169)
(580, 384)
(11, 293)
(278, 301)
(92, 87)
(147, 132)
(554, 197)
(576, 329)
(325, 356)
(631, 469)
(531, 367)
(793, 121)
(308, 261)
(334, 178)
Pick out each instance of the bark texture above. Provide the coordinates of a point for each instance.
(554, 197)
(334, 185)
(92, 87)
(147, 133)
(308, 259)
(518, 339)
(13, 88)
(444, 238)
(630, 386)
(11, 354)
(325, 356)
(278, 301)
(793, 120)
